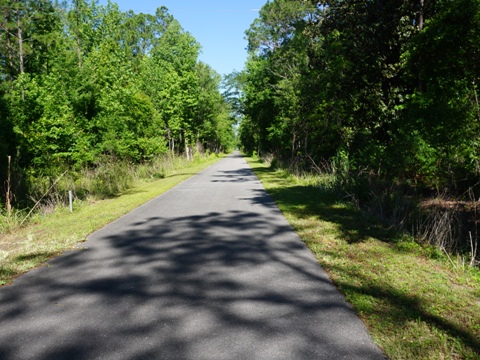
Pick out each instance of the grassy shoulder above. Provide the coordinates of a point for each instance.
(47, 236)
(415, 304)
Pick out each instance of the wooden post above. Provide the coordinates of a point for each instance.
(8, 203)
(70, 199)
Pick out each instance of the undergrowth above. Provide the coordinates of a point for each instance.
(107, 179)
(448, 223)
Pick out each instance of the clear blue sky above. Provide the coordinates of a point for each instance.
(218, 25)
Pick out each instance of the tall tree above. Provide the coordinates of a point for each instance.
(178, 51)
(80, 82)
(392, 85)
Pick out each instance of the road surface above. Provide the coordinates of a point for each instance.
(209, 270)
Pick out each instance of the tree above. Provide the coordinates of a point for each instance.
(390, 84)
(213, 120)
(85, 82)
(178, 51)
(443, 111)
(25, 29)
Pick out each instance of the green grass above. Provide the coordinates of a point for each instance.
(47, 236)
(415, 304)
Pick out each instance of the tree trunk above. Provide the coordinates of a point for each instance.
(9, 50)
(8, 195)
(20, 50)
(188, 152)
(78, 35)
(7, 17)
(294, 140)
(420, 22)
(20, 44)
(420, 14)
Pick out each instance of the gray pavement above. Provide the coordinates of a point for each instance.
(209, 270)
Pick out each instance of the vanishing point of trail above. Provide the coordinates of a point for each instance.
(209, 270)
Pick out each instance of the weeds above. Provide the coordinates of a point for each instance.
(447, 223)
(10, 220)
(107, 179)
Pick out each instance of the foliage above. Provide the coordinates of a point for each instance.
(384, 93)
(393, 84)
(82, 82)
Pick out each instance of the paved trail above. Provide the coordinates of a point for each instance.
(209, 270)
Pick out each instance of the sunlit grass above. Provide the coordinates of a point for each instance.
(48, 235)
(415, 304)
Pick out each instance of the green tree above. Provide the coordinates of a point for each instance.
(177, 52)
(80, 82)
(443, 113)
(213, 120)
(279, 48)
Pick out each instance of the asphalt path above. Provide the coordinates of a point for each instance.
(209, 270)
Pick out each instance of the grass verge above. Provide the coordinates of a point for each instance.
(47, 236)
(414, 302)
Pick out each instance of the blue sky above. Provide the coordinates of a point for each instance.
(218, 25)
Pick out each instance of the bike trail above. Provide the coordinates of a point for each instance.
(209, 270)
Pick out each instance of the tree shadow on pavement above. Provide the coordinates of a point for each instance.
(214, 286)
(306, 202)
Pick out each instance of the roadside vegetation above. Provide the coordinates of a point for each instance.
(382, 94)
(28, 241)
(416, 301)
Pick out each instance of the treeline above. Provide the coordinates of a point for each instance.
(384, 89)
(82, 84)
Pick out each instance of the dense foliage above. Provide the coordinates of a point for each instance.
(84, 83)
(388, 88)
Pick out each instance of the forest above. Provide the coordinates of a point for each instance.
(381, 94)
(84, 85)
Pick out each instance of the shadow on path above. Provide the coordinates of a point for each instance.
(234, 284)
(404, 307)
